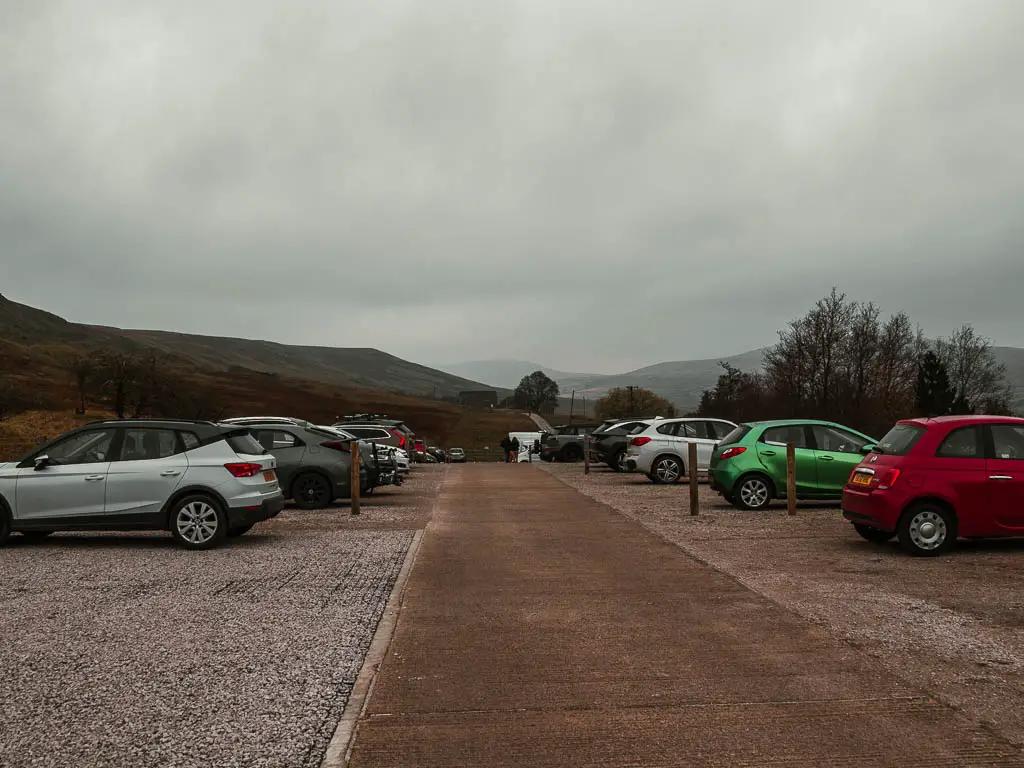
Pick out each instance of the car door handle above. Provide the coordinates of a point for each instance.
(94, 478)
(826, 458)
(767, 453)
(999, 477)
(170, 473)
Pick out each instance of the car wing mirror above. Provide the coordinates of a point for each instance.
(42, 462)
(867, 449)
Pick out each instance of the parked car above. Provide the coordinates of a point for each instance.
(314, 464)
(566, 444)
(608, 443)
(378, 420)
(929, 481)
(383, 463)
(661, 449)
(749, 465)
(377, 433)
(201, 481)
(457, 455)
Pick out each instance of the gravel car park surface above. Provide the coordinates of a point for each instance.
(949, 625)
(124, 650)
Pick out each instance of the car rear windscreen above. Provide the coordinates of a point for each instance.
(244, 442)
(736, 435)
(899, 440)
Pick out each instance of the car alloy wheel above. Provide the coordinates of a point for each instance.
(620, 462)
(197, 523)
(311, 492)
(667, 470)
(754, 493)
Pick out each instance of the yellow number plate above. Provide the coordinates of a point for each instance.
(270, 475)
(861, 478)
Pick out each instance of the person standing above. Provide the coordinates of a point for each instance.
(515, 450)
(506, 446)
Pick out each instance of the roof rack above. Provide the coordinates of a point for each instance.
(137, 420)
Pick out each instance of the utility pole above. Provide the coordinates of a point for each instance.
(630, 388)
(572, 402)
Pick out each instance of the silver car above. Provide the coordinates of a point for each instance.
(200, 481)
(661, 450)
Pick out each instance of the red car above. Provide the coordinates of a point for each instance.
(932, 480)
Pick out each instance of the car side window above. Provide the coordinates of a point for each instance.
(90, 447)
(789, 434)
(276, 440)
(836, 440)
(189, 439)
(148, 444)
(963, 443)
(1009, 441)
(667, 429)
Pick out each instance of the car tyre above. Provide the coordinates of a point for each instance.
(666, 470)
(618, 461)
(198, 522)
(311, 491)
(927, 529)
(874, 535)
(240, 530)
(753, 493)
(5, 524)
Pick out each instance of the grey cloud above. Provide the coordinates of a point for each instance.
(594, 185)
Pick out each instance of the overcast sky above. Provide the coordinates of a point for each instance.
(591, 185)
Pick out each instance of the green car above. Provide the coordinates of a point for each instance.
(749, 466)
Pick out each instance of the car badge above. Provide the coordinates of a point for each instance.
(873, 459)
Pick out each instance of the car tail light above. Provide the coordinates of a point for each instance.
(336, 445)
(244, 469)
(400, 436)
(728, 453)
(888, 480)
(639, 441)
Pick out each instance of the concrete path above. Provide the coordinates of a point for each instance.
(540, 628)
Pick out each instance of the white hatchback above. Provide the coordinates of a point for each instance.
(661, 450)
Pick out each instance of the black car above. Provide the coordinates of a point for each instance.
(608, 443)
(567, 444)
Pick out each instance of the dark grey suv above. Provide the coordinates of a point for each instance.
(313, 465)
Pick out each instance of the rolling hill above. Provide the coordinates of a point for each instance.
(682, 381)
(355, 367)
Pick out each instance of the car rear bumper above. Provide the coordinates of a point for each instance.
(877, 509)
(722, 480)
(239, 516)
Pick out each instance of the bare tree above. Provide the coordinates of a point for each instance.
(83, 369)
(977, 378)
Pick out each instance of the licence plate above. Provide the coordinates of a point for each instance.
(861, 478)
(270, 475)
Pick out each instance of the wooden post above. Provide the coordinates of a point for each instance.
(694, 488)
(791, 478)
(586, 454)
(354, 453)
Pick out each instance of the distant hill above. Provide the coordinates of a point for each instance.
(683, 381)
(507, 373)
(357, 367)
